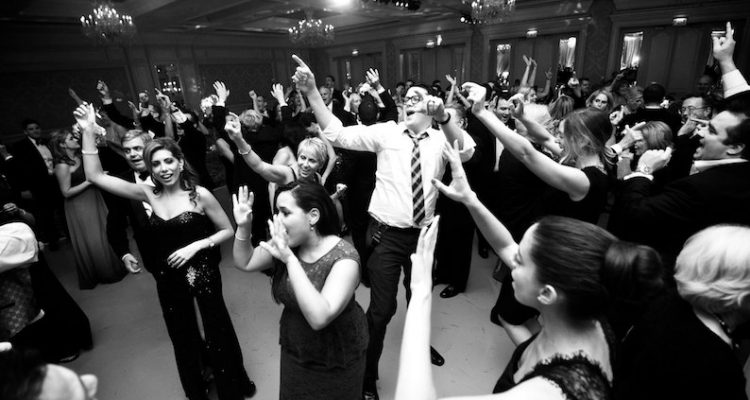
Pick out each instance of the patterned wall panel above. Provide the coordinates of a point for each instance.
(597, 41)
(43, 95)
(239, 78)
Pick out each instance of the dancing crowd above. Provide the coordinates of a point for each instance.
(619, 218)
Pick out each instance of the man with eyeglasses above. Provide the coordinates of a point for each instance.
(696, 106)
(410, 155)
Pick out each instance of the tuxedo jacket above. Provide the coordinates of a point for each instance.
(29, 171)
(665, 220)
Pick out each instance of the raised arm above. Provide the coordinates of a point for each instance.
(723, 52)
(92, 166)
(547, 83)
(571, 180)
(245, 257)
(318, 308)
(534, 129)
(272, 173)
(305, 81)
(112, 112)
(525, 77)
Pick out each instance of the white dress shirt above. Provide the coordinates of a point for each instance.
(392, 202)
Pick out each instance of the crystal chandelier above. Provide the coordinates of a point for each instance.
(311, 32)
(106, 25)
(483, 11)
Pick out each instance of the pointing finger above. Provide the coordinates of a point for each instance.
(299, 61)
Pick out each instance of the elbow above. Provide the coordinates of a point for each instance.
(318, 323)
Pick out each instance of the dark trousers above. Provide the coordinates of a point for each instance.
(384, 269)
(223, 349)
(453, 249)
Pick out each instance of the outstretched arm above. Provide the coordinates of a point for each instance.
(305, 81)
(92, 166)
(571, 180)
(723, 51)
(272, 173)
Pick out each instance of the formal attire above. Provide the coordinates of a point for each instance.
(31, 169)
(199, 281)
(719, 195)
(86, 214)
(653, 114)
(321, 364)
(401, 204)
(670, 354)
(577, 376)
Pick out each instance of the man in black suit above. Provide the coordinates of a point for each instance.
(31, 170)
(336, 94)
(717, 192)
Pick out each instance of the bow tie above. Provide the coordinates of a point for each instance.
(143, 176)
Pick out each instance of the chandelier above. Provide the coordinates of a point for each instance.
(311, 32)
(106, 25)
(483, 11)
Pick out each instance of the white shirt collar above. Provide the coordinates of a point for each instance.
(705, 165)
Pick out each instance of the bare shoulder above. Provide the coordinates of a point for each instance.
(204, 195)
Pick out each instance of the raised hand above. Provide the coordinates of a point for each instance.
(163, 100)
(517, 110)
(277, 91)
(253, 95)
(434, 107)
(527, 60)
(723, 47)
(221, 91)
(654, 160)
(103, 89)
(85, 116)
(233, 127)
(477, 95)
(75, 96)
(421, 260)
(450, 79)
(616, 116)
(459, 189)
(303, 76)
(242, 207)
(548, 74)
(278, 246)
(373, 78)
(631, 135)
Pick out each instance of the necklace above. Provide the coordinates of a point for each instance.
(725, 328)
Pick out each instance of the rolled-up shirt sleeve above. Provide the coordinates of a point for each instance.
(358, 137)
(18, 246)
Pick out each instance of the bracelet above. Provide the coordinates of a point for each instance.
(90, 153)
(446, 120)
(241, 239)
(211, 243)
(246, 152)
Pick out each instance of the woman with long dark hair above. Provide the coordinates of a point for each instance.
(323, 331)
(190, 224)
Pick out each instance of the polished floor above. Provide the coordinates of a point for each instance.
(133, 357)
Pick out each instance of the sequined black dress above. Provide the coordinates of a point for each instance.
(325, 364)
(200, 280)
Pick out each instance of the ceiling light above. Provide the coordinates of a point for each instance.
(430, 44)
(106, 25)
(484, 11)
(311, 32)
(355, 52)
(531, 33)
(679, 21)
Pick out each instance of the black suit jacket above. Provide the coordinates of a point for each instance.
(124, 212)
(665, 220)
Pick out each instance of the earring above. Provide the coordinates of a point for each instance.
(312, 227)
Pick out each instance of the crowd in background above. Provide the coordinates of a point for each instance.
(618, 213)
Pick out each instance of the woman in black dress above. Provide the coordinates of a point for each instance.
(323, 331)
(190, 224)
(559, 268)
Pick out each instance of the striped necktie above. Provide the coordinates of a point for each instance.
(417, 188)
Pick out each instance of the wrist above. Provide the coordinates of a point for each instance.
(644, 169)
(444, 119)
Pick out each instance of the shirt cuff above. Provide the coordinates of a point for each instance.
(637, 174)
(734, 83)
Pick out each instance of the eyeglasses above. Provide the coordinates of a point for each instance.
(413, 99)
(598, 101)
(690, 109)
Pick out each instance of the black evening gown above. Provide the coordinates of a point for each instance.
(198, 280)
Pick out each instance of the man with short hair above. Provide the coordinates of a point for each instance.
(696, 106)
(409, 156)
(652, 110)
(336, 94)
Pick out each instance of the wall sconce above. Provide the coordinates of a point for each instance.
(355, 52)
(679, 21)
(531, 33)
(430, 44)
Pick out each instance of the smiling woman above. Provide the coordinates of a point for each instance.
(189, 223)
